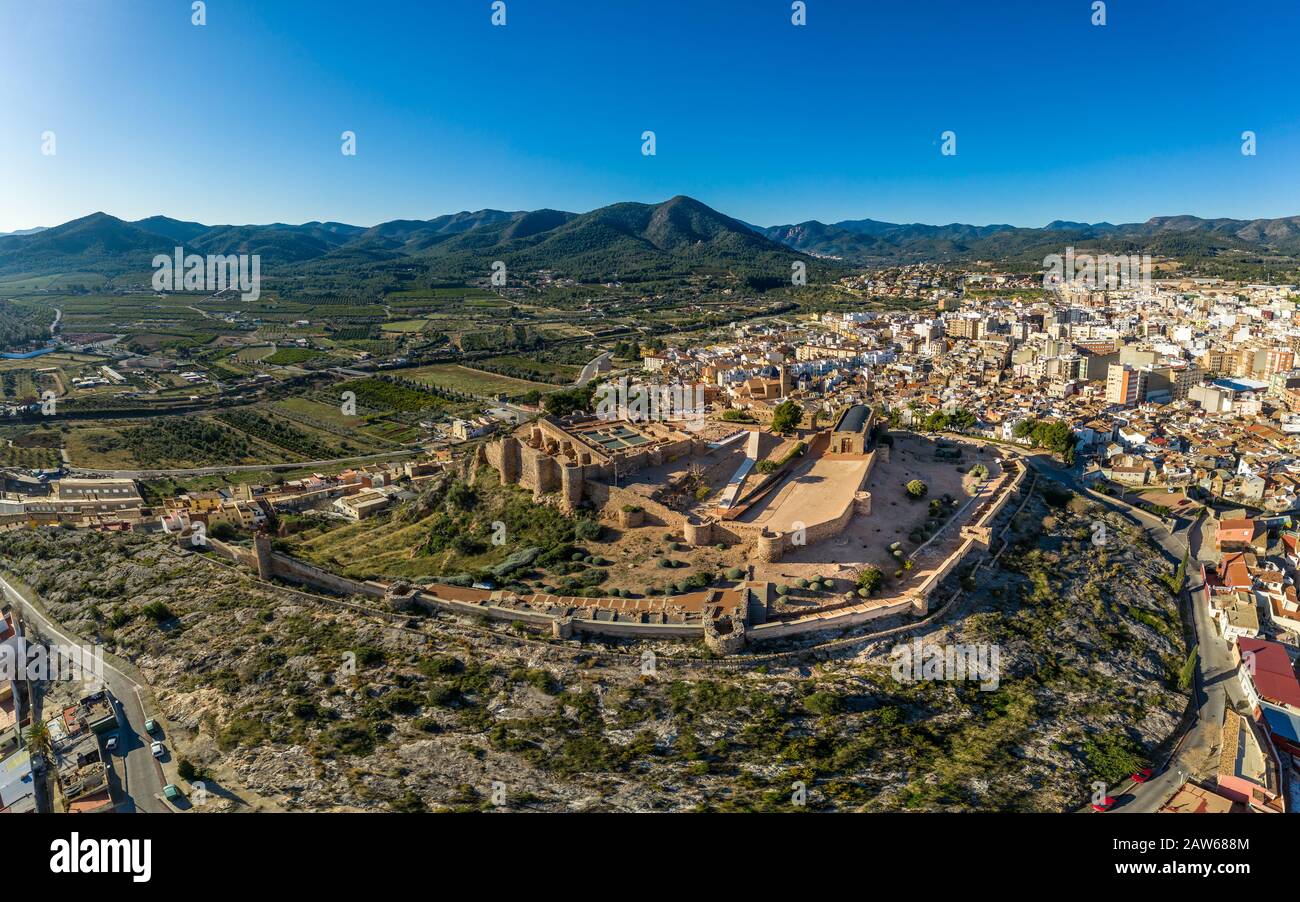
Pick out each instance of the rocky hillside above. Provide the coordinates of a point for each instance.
(295, 704)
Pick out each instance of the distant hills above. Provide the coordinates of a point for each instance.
(867, 241)
(628, 241)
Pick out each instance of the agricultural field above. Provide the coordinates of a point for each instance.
(58, 359)
(19, 386)
(162, 442)
(406, 325)
(471, 382)
(253, 353)
(378, 394)
(369, 431)
(436, 295)
(55, 282)
(239, 363)
(28, 379)
(239, 436)
(561, 330)
(11, 455)
(292, 356)
(298, 441)
(135, 315)
(529, 369)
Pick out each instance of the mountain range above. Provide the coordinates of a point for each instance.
(867, 241)
(628, 241)
(633, 241)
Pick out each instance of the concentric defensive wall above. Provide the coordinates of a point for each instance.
(558, 465)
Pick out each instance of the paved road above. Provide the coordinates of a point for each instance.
(1215, 685)
(140, 782)
(589, 371)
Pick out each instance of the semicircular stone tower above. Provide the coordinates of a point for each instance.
(770, 546)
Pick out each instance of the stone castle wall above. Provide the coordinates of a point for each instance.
(610, 500)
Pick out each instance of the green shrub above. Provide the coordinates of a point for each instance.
(408, 803)
(587, 529)
(869, 581)
(157, 611)
(1111, 757)
(822, 703)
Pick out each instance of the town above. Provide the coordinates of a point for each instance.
(837, 475)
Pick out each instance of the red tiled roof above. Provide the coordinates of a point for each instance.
(1233, 571)
(1274, 676)
(1236, 530)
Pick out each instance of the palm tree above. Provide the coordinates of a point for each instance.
(38, 738)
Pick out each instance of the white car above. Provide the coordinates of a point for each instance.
(110, 743)
(157, 749)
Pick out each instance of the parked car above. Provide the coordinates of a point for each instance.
(157, 749)
(110, 743)
(151, 726)
(1104, 805)
(1142, 775)
(171, 792)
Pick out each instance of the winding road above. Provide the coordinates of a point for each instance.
(135, 776)
(590, 370)
(1215, 685)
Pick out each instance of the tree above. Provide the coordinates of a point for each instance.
(1188, 670)
(1111, 757)
(1054, 435)
(786, 417)
(870, 579)
(38, 738)
(223, 531)
(961, 420)
(916, 489)
(571, 400)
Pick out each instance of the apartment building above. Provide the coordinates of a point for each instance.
(1125, 385)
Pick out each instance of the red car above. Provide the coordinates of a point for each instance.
(1104, 805)
(1141, 776)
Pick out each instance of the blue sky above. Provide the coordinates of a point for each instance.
(240, 120)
